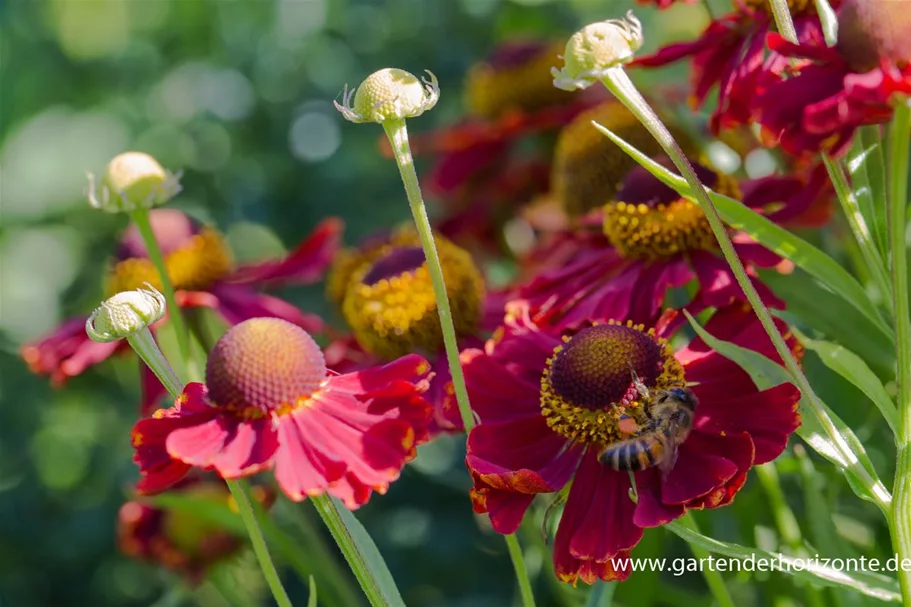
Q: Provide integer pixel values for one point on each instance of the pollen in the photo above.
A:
(651, 221)
(264, 366)
(390, 304)
(588, 388)
(195, 258)
(515, 77)
(588, 168)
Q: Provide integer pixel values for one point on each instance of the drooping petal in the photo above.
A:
(301, 468)
(597, 524)
(67, 351)
(237, 303)
(153, 392)
(304, 265)
(495, 393)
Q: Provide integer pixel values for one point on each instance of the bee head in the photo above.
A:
(684, 396)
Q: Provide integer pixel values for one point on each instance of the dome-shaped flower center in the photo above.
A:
(649, 220)
(516, 76)
(264, 366)
(588, 167)
(195, 256)
(872, 31)
(589, 382)
(389, 301)
(796, 7)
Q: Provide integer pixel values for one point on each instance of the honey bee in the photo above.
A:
(655, 444)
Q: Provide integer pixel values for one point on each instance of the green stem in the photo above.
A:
(147, 348)
(618, 83)
(713, 579)
(859, 227)
(783, 20)
(159, 365)
(518, 562)
(899, 136)
(141, 219)
(239, 490)
(397, 132)
(328, 511)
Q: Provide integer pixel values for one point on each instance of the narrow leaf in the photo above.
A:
(767, 233)
(871, 584)
(311, 602)
(855, 370)
(839, 321)
(372, 556)
(843, 449)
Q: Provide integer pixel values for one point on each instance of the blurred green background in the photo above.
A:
(238, 94)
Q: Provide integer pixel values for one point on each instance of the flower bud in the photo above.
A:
(131, 181)
(596, 48)
(125, 314)
(389, 94)
(873, 31)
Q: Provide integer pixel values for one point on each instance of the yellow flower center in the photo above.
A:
(389, 301)
(195, 265)
(517, 76)
(588, 167)
(264, 366)
(651, 221)
(588, 384)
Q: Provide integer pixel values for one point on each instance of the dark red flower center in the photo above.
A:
(397, 261)
(594, 369)
(264, 366)
(590, 382)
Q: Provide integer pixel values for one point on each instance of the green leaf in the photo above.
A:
(364, 544)
(835, 318)
(767, 233)
(842, 448)
(311, 602)
(855, 370)
(601, 594)
(867, 167)
(871, 584)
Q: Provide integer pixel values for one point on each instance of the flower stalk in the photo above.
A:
(899, 135)
(141, 218)
(397, 132)
(713, 578)
(162, 369)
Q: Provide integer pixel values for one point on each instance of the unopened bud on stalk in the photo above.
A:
(125, 314)
(389, 94)
(596, 48)
(132, 181)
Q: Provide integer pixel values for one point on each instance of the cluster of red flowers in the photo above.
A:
(563, 361)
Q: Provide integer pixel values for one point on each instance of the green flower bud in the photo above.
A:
(596, 48)
(125, 314)
(132, 181)
(389, 94)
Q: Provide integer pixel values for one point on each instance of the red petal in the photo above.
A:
(495, 393)
(303, 265)
(238, 303)
(300, 468)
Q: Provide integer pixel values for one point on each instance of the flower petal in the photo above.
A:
(300, 468)
(495, 393)
(237, 303)
(303, 265)
(67, 351)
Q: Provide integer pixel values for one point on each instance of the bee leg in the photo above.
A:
(641, 388)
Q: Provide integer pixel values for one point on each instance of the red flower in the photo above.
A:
(551, 400)
(180, 540)
(731, 53)
(818, 105)
(200, 267)
(270, 403)
(621, 261)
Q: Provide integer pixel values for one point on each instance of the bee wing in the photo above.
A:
(670, 458)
